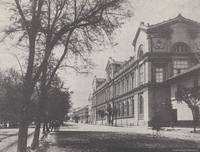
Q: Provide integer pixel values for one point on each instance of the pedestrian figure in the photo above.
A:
(172, 125)
(156, 124)
(55, 125)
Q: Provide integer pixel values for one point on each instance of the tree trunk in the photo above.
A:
(194, 120)
(23, 133)
(41, 111)
(35, 142)
(44, 95)
(23, 124)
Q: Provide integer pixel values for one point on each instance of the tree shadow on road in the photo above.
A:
(102, 141)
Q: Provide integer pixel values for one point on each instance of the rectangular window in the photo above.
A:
(141, 74)
(141, 107)
(119, 88)
(159, 74)
(122, 109)
(133, 106)
(119, 110)
(122, 86)
(115, 90)
(180, 65)
(127, 111)
(133, 81)
(127, 83)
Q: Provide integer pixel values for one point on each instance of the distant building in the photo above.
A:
(138, 89)
(90, 114)
(80, 115)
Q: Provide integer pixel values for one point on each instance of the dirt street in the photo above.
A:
(90, 138)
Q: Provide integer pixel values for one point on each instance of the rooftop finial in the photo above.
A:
(179, 15)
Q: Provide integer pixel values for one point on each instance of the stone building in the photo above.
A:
(138, 89)
(80, 115)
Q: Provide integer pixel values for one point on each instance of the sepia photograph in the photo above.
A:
(99, 75)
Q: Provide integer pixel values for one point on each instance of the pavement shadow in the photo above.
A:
(91, 141)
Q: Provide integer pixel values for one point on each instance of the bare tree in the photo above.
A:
(191, 96)
(44, 26)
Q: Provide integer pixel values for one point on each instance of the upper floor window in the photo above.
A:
(127, 83)
(159, 74)
(180, 65)
(122, 91)
(115, 90)
(119, 88)
(133, 81)
(180, 47)
(140, 51)
(141, 74)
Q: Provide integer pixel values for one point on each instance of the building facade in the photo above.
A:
(188, 80)
(136, 90)
(80, 115)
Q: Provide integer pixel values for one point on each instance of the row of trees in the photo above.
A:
(52, 32)
(110, 112)
(59, 99)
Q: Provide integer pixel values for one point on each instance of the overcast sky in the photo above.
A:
(147, 11)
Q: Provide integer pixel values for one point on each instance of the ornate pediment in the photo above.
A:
(159, 44)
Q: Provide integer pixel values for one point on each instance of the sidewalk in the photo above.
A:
(9, 137)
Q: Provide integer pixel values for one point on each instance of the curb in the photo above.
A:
(14, 142)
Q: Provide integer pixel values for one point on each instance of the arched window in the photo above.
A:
(180, 47)
(140, 51)
(141, 105)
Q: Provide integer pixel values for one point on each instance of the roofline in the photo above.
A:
(178, 18)
(190, 70)
(142, 27)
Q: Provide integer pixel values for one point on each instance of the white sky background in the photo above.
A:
(147, 11)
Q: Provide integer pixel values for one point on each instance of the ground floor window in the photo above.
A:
(122, 109)
(141, 107)
(119, 109)
(133, 106)
(127, 111)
